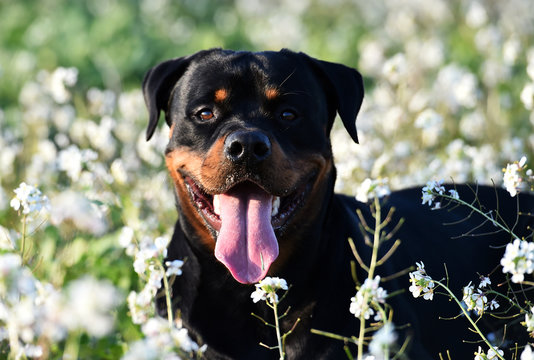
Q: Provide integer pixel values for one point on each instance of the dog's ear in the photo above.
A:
(345, 88)
(157, 87)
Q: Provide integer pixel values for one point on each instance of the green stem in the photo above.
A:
(466, 314)
(72, 347)
(376, 238)
(470, 206)
(361, 334)
(278, 336)
(370, 276)
(168, 300)
(510, 301)
(23, 238)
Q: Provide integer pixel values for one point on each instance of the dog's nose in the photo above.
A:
(249, 146)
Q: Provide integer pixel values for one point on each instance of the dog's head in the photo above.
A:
(249, 148)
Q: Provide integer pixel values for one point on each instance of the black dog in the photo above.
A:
(251, 161)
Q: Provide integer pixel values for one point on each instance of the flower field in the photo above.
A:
(87, 208)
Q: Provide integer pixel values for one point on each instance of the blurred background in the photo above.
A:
(449, 95)
(447, 77)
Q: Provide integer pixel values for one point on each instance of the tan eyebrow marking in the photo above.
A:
(271, 93)
(221, 95)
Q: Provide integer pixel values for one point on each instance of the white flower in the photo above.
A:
(431, 191)
(421, 283)
(266, 289)
(527, 96)
(155, 277)
(368, 293)
(454, 194)
(174, 267)
(118, 171)
(476, 15)
(461, 87)
(529, 321)
(72, 160)
(101, 102)
(382, 340)
(162, 341)
(126, 240)
(140, 306)
(512, 179)
(30, 199)
(484, 281)
(181, 337)
(395, 68)
(431, 124)
(73, 206)
(370, 189)
(83, 310)
(32, 351)
(161, 243)
(474, 300)
(518, 259)
(527, 353)
(149, 250)
(8, 263)
(57, 82)
(360, 307)
(491, 355)
(258, 295)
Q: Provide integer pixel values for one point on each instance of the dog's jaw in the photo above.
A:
(246, 221)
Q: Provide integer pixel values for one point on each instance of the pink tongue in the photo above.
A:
(246, 244)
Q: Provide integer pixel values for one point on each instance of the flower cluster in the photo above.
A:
(370, 189)
(30, 200)
(369, 293)
(491, 355)
(421, 283)
(148, 259)
(516, 175)
(72, 161)
(518, 259)
(266, 289)
(34, 313)
(477, 300)
(529, 321)
(435, 189)
(382, 342)
(162, 341)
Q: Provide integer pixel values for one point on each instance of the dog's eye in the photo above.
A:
(205, 114)
(288, 115)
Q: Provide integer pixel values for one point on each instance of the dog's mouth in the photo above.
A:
(245, 219)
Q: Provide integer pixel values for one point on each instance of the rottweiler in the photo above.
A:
(250, 158)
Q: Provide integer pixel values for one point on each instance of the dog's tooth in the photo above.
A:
(216, 205)
(276, 205)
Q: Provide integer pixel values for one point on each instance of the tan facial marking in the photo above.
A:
(183, 159)
(272, 93)
(221, 95)
(171, 130)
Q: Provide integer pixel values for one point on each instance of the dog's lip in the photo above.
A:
(288, 204)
